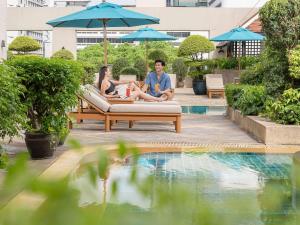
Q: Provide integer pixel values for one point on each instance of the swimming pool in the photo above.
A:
(215, 176)
(205, 110)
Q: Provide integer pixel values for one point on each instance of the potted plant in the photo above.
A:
(180, 69)
(24, 45)
(193, 48)
(50, 91)
(13, 113)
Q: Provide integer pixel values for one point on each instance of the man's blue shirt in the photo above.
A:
(164, 83)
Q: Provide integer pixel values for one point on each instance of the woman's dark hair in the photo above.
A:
(160, 61)
(102, 72)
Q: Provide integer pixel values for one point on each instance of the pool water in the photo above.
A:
(206, 110)
(216, 176)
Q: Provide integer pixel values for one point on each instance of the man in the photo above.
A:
(159, 82)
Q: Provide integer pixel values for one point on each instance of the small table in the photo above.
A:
(113, 101)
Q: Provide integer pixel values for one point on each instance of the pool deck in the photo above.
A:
(209, 131)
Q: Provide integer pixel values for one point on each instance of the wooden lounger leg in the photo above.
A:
(130, 123)
(178, 124)
(107, 124)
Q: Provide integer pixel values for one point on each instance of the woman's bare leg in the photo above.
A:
(146, 97)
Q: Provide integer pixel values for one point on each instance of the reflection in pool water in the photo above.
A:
(217, 176)
(207, 110)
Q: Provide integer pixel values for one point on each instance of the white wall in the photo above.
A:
(3, 28)
(150, 3)
(243, 3)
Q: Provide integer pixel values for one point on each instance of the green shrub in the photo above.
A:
(253, 75)
(233, 92)
(140, 65)
(63, 54)
(158, 54)
(13, 113)
(286, 110)
(294, 61)
(251, 100)
(129, 71)
(193, 48)
(179, 68)
(24, 44)
(226, 63)
(118, 66)
(3, 158)
(51, 87)
(89, 72)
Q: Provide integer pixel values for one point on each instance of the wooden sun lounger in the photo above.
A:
(94, 113)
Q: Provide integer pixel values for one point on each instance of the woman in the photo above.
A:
(108, 87)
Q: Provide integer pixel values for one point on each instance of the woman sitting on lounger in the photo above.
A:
(107, 87)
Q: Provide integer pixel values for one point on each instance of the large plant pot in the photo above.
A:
(199, 87)
(40, 145)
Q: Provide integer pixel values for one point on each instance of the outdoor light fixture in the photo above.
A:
(2, 44)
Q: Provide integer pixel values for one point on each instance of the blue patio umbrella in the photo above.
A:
(147, 34)
(103, 15)
(239, 35)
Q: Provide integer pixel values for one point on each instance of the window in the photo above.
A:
(99, 40)
(187, 3)
(179, 34)
(246, 48)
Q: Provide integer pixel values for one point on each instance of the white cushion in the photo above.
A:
(95, 99)
(145, 108)
(214, 81)
(95, 90)
(158, 103)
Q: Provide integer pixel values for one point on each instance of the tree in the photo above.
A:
(179, 68)
(140, 65)
(194, 47)
(129, 71)
(63, 54)
(294, 60)
(281, 23)
(24, 44)
(118, 65)
(12, 112)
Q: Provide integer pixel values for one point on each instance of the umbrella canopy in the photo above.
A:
(103, 15)
(239, 34)
(147, 34)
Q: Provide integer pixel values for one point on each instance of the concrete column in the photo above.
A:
(3, 43)
(63, 37)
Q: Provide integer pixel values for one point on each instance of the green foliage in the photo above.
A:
(63, 54)
(254, 73)
(250, 100)
(281, 24)
(294, 60)
(13, 113)
(51, 87)
(199, 68)
(226, 63)
(233, 92)
(129, 71)
(118, 66)
(179, 68)
(140, 65)
(24, 44)
(158, 54)
(3, 158)
(194, 46)
(177, 202)
(89, 72)
(286, 110)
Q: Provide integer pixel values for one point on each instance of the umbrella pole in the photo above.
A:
(105, 42)
(147, 65)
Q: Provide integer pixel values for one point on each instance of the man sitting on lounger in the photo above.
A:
(158, 82)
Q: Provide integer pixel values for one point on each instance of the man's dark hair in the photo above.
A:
(160, 61)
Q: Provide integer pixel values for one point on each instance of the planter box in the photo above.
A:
(264, 130)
